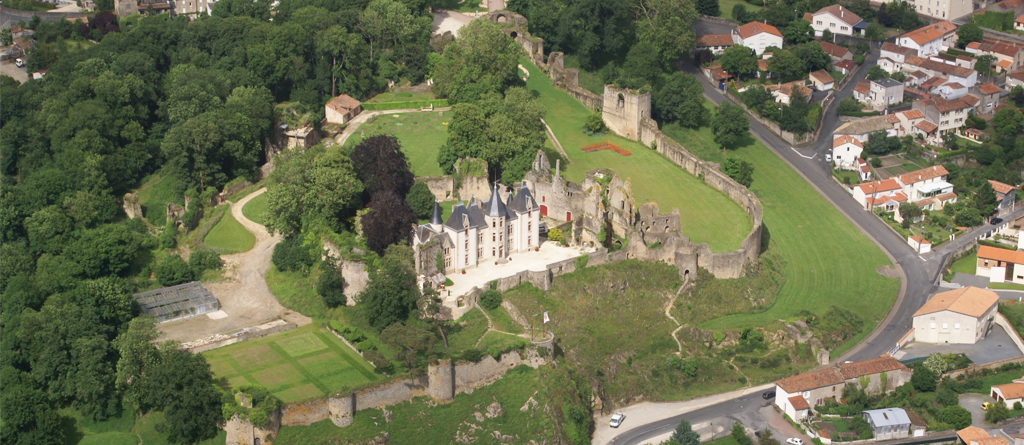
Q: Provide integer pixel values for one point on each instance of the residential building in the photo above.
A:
(193, 7)
(988, 94)
(1018, 23)
(814, 387)
(823, 81)
(886, 194)
(862, 128)
(125, 8)
(1006, 195)
(893, 57)
(883, 93)
(716, 43)
(845, 152)
(926, 187)
(925, 183)
(946, 114)
(888, 423)
(1000, 265)
(838, 20)
(1009, 393)
(1008, 56)
(965, 61)
(916, 78)
(950, 91)
(958, 316)
(965, 76)
(904, 121)
(845, 66)
(758, 36)
(973, 435)
(943, 9)
(483, 230)
(920, 245)
(930, 39)
(836, 52)
(784, 91)
(1014, 78)
(342, 109)
(863, 170)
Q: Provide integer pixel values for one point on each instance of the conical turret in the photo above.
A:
(435, 218)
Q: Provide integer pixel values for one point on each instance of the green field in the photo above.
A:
(709, 216)
(827, 260)
(255, 209)
(298, 364)
(230, 235)
(967, 265)
(400, 96)
(725, 7)
(156, 191)
(421, 134)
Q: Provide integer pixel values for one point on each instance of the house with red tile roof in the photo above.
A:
(836, 52)
(716, 43)
(838, 20)
(846, 150)
(1009, 393)
(927, 187)
(904, 121)
(964, 76)
(893, 56)
(930, 39)
(1014, 78)
(814, 387)
(948, 115)
(758, 36)
(845, 66)
(959, 316)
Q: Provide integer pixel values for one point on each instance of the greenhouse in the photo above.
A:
(177, 302)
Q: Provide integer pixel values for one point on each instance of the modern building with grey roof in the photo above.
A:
(176, 302)
(478, 232)
(888, 423)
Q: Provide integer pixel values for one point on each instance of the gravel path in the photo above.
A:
(243, 295)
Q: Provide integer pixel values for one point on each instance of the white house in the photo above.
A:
(886, 194)
(758, 36)
(959, 316)
(822, 80)
(1009, 393)
(893, 57)
(838, 20)
(1000, 265)
(928, 40)
(920, 245)
(928, 183)
(845, 152)
(812, 388)
(716, 43)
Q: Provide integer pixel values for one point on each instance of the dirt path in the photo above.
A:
(244, 296)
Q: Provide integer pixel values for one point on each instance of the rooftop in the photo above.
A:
(864, 126)
(923, 174)
(715, 40)
(177, 301)
(887, 82)
(971, 301)
(754, 28)
(840, 13)
(888, 417)
(929, 32)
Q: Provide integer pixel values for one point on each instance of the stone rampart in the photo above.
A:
(305, 413)
(442, 187)
(391, 393)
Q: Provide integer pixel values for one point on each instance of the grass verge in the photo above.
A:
(230, 235)
(256, 209)
(421, 134)
(1006, 286)
(711, 216)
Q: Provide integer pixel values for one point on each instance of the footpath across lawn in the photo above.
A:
(828, 261)
(708, 215)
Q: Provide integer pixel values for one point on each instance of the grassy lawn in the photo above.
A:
(230, 235)
(502, 321)
(120, 430)
(255, 209)
(827, 260)
(726, 439)
(400, 96)
(156, 191)
(1006, 286)
(421, 135)
(298, 364)
(967, 265)
(846, 176)
(589, 80)
(468, 330)
(424, 422)
(725, 6)
(711, 217)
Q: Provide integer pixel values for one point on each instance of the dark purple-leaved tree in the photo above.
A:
(389, 221)
(381, 165)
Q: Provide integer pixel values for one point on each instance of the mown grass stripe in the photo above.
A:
(298, 367)
(345, 356)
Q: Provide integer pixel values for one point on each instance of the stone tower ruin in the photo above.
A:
(624, 109)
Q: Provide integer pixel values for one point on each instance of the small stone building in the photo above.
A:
(959, 316)
(342, 109)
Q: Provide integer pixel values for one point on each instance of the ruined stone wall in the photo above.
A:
(441, 378)
(472, 186)
(356, 278)
(391, 393)
(469, 376)
(305, 413)
(131, 206)
(624, 110)
(442, 187)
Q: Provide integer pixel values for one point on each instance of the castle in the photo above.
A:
(480, 231)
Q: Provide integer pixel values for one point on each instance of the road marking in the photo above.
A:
(801, 154)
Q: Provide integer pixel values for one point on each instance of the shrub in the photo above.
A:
(875, 162)
(996, 413)
(948, 397)
(420, 200)
(472, 355)
(555, 235)
(203, 260)
(168, 237)
(848, 105)
(291, 255)
(923, 379)
(173, 270)
(594, 124)
(330, 286)
(490, 299)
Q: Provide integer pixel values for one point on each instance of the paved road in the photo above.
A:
(920, 274)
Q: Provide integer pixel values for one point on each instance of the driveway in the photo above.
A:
(8, 68)
(972, 403)
(996, 346)
(445, 20)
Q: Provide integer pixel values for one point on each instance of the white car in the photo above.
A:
(795, 441)
(617, 419)
(19, 63)
(828, 157)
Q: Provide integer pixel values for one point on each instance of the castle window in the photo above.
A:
(501, 222)
(467, 259)
(494, 224)
(493, 251)
(622, 101)
(529, 226)
(494, 237)
(543, 198)
(479, 252)
(500, 249)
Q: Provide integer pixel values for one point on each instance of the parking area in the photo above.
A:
(8, 68)
(996, 346)
(972, 403)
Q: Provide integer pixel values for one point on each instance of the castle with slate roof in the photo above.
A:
(480, 231)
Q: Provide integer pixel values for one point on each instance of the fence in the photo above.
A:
(383, 106)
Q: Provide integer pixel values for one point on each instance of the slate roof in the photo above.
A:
(523, 201)
(435, 217)
(971, 301)
(466, 217)
(495, 207)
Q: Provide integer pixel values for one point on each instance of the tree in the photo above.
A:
(967, 33)
(388, 221)
(984, 64)
(182, 385)
(739, 60)
(880, 144)
(643, 65)
(794, 115)
(813, 57)
(387, 23)
(826, 36)
(391, 293)
(957, 416)
(331, 285)
(740, 434)
(28, 416)
(681, 100)
(985, 199)
(105, 250)
(739, 13)
(708, 7)
(874, 32)
(923, 379)
(785, 65)
(668, 24)
(138, 359)
(797, 32)
(483, 59)
(490, 299)
(173, 270)
(412, 340)
(848, 105)
(910, 211)
(329, 191)
(684, 434)
(1017, 95)
(203, 260)
(948, 398)
(381, 166)
(421, 200)
(729, 124)
(968, 217)
(876, 72)
(779, 14)
(997, 412)
(766, 437)
(594, 124)
(290, 255)
(739, 170)
(6, 39)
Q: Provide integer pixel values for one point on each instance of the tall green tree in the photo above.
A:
(729, 124)
(183, 387)
(139, 358)
(798, 32)
(708, 7)
(391, 294)
(967, 33)
(668, 24)
(739, 170)
(482, 60)
(684, 434)
(812, 56)
(681, 100)
(739, 60)
(296, 193)
(786, 65)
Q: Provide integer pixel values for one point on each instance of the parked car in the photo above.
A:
(986, 405)
(768, 394)
(996, 220)
(617, 419)
(542, 229)
(19, 63)
(828, 157)
(795, 441)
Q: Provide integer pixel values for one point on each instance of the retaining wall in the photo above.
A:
(242, 337)
(1002, 321)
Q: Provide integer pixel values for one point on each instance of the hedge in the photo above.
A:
(860, 113)
(985, 242)
(403, 105)
(950, 154)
